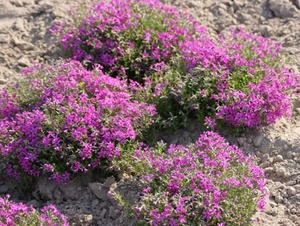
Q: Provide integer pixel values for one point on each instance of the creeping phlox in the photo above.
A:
(208, 181)
(64, 119)
(12, 213)
(238, 78)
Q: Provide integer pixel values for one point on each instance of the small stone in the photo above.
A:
(3, 189)
(265, 158)
(19, 25)
(88, 219)
(45, 5)
(265, 29)
(249, 140)
(24, 62)
(103, 212)
(264, 165)
(280, 171)
(298, 111)
(291, 191)
(278, 199)
(269, 170)
(25, 46)
(282, 9)
(278, 158)
(290, 155)
(18, 3)
(291, 183)
(98, 190)
(273, 204)
(109, 182)
(294, 218)
(4, 38)
(2, 81)
(41, 35)
(258, 140)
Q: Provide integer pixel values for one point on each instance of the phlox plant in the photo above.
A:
(239, 78)
(62, 119)
(133, 37)
(15, 214)
(207, 182)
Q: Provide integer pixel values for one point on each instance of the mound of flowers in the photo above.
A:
(241, 77)
(133, 37)
(20, 214)
(63, 119)
(238, 78)
(209, 182)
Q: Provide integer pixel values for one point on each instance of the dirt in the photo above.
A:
(25, 39)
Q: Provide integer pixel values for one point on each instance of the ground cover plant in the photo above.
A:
(239, 78)
(206, 182)
(15, 214)
(63, 119)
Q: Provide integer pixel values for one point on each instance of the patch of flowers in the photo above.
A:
(241, 77)
(12, 213)
(63, 120)
(238, 78)
(209, 182)
(133, 37)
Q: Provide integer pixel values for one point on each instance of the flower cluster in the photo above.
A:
(20, 214)
(209, 181)
(64, 119)
(133, 37)
(239, 78)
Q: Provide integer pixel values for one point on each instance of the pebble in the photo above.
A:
(291, 183)
(273, 204)
(278, 158)
(88, 219)
(265, 157)
(4, 38)
(109, 182)
(291, 191)
(282, 9)
(269, 170)
(290, 155)
(298, 111)
(3, 81)
(98, 190)
(258, 140)
(18, 3)
(280, 171)
(24, 62)
(278, 199)
(25, 46)
(103, 212)
(19, 25)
